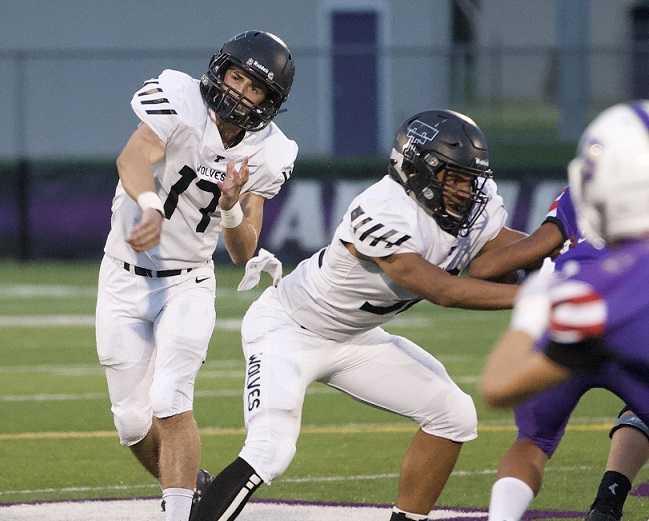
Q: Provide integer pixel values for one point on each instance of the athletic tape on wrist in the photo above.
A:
(150, 200)
(233, 217)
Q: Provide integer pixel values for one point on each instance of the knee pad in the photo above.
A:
(132, 425)
(460, 421)
(629, 420)
(270, 445)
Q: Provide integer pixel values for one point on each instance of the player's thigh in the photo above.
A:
(542, 419)
(125, 344)
(124, 337)
(182, 334)
(397, 375)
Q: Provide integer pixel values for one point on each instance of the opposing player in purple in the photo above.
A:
(541, 422)
(586, 325)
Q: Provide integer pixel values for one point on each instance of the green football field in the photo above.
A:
(56, 433)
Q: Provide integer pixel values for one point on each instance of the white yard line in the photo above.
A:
(226, 324)
(304, 479)
(65, 397)
(60, 291)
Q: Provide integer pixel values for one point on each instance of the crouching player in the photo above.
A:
(401, 240)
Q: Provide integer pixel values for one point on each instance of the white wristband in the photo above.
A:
(233, 217)
(150, 200)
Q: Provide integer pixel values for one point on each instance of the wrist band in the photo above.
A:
(233, 217)
(148, 200)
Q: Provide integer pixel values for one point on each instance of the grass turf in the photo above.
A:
(57, 440)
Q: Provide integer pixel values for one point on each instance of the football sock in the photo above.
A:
(510, 498)
(402, 515)
(612, 493)
(228, 492)
(177, 503)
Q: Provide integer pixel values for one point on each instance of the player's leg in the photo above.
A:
(629, 451)
(125, 348)
(183, 330)
(541, 423)
(395, 374)
(281, 361)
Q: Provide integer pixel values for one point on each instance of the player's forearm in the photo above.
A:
(495, 264)
(240, 242)
(514, 371)
(472, 293)
(135, 173)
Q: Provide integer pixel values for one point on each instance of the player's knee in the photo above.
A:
(270, 458)
(270, 442)
(132, 425)
(628, 418)
(458, 423)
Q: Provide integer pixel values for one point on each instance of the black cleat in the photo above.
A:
(598, 515)
(203, 479)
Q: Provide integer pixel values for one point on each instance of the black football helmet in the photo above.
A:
(441, 159)
(264, 57)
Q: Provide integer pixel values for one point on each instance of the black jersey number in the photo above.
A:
(187, 175)
(399, 307)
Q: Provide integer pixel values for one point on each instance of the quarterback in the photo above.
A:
(585, 325)
(402, 240)
(203, 160)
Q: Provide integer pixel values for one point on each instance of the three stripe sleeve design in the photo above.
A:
(154, 98)
(373, 232)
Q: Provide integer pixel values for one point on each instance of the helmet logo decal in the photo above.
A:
(254, 64)
(419, 133)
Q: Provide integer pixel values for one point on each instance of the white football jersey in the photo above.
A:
(337, 295)
(195, 157)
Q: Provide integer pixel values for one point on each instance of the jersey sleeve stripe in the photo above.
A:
(154, 101)
(383, 237)
(370, 231)
(401, 240)
(162, 111)
(151, 82)
(149, 92)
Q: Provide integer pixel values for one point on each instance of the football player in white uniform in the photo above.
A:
(401, 240)
(203, 160)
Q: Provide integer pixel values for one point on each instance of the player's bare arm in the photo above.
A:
(514, 371)
(240, 240)
(134, 166)
(522, 253)
(413, 272)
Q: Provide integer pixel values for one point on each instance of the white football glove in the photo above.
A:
(265, 261)
(531, 312)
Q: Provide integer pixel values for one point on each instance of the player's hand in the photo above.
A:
(232, 183)
(146, 234)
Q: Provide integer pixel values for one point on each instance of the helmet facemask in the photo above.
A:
(454, 196)
(232, 106)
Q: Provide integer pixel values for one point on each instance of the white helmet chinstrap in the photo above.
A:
(609, 178)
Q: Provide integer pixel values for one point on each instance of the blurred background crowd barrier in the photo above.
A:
(532, 74)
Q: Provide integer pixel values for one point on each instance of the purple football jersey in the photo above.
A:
(562, 213)
(600, 320)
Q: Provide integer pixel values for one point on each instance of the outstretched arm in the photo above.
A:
(527, 252)
(413, 272)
